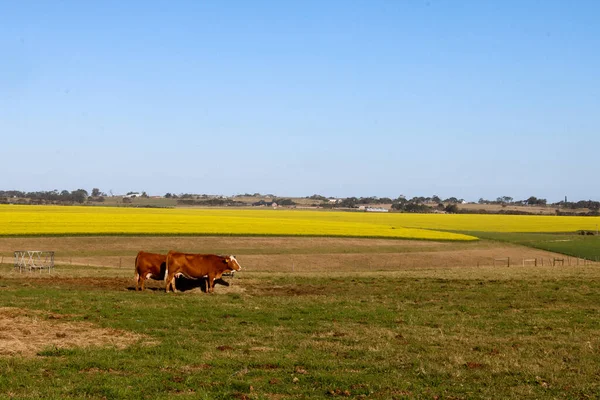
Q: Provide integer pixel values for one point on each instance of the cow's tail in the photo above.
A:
(167, 283)
(167, 266)
(137, 273)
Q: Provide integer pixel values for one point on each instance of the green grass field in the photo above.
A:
(436, 333)
(574, 245)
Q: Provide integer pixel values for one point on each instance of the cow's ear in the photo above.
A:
(224, 261)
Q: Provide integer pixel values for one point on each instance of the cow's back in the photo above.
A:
(192, 265)
(150, 263)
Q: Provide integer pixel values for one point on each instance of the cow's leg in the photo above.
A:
(173, 284)
(168, 282)
(211, 283)
(137, 282)
(143, 279)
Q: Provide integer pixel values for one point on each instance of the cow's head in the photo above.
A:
(232, 263)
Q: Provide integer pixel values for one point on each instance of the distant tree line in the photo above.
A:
(64, 197)
(79, 196)
(417, 204)
(590, 204)
(276, 200)
(215, 202)
(507, 200)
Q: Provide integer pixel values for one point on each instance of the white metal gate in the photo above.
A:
(30, 260)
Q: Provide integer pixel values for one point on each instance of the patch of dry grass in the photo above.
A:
(26, 332)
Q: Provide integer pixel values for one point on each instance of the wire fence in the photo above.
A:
(349, 262)
(361, 262)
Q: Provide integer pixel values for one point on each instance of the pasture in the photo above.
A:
(306, 318)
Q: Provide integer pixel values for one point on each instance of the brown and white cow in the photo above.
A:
(149, 266)
(196, 266)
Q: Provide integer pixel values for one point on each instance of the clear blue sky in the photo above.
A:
(341, 98)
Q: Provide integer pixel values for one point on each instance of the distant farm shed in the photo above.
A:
(376, 209)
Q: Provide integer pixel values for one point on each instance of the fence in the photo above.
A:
(306, 263)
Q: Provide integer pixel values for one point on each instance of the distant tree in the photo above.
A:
(416, 208)
(350, 202)
(451, 200)
(318, 197)
(436, 198)
(145, 195)
(168, 196)
(414, 205)
(284, 202)
(79, 195)
(401, 199)
(417, 200)
(95, 192)
(451, 208)
(534, 201)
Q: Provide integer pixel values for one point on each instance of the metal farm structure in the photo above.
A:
(31, 260)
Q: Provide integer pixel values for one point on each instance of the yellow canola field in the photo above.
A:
(77, 220)
(496, 223)
(59, 220)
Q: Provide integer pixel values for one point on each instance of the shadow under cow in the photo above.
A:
(185, 284)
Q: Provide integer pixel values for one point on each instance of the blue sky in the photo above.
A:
(341, 98)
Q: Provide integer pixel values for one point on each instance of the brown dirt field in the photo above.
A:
(278, 254)
(130, 245)
(26, 332)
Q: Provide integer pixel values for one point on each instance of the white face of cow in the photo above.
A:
(233, 263)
